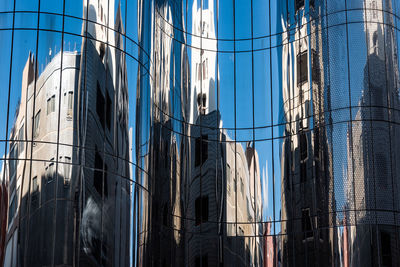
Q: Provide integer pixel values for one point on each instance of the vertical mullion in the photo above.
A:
(234, 109)
(201, 127)
(253, 159)
(272, 120)
(218, 147)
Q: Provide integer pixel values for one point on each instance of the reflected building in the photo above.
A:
(304, 91)
(166, 212)
(271, 247)
(308, 202)
(193, 161)
(339, 215)
(80, 197)
(36, 184)
(374, 137)
(103, 130)
(221, 174)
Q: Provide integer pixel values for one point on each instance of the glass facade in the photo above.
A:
(199, 133)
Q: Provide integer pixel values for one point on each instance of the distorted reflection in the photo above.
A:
(77, 100)
(337, 179)
(227, 145)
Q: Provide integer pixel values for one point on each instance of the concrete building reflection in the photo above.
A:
(318, 231)
(80, 197)
(374, 163)
(308, 201)
(204, 180)
(271, 139)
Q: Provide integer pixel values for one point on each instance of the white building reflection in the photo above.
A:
(79, 197)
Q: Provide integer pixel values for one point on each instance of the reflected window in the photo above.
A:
(99, 183)
(201, 210)
(67, 171)
(303, 146)
(315, 67)
(306, 223)
(205, 69)
(201, 261)
(199, 76)
(13, 205)
(51, 104)
(21, 138)
(302, 68)
(386, 249)
(228, 179)
(102, 49)
(51, 171)
(202, 70)
(13, 161)
(34, 195)
(100, 103)
(70, 103)
(303, 156)
(201, 150)
(36, 125)
(299, 4)
(374, 9)
(35, 185)
(202, 102)
(241, 186)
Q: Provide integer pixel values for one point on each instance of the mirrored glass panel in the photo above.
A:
(199, 133)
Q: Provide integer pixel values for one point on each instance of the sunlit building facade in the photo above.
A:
(199, 133)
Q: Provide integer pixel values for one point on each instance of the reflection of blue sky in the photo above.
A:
(252, 71)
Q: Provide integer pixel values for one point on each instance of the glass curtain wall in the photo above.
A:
(199, 133)
(68, 76)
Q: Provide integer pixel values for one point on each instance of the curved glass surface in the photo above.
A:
(199, 133)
